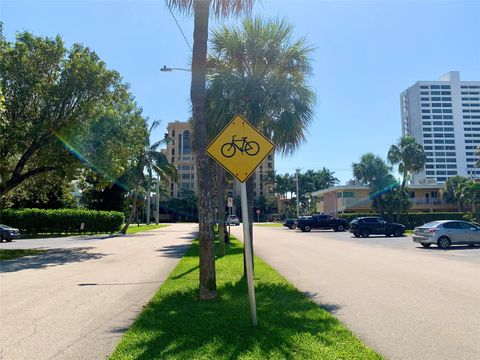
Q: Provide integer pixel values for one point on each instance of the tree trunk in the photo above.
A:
(208, 286)
(132, 213)
(149, 186)
(221, 208)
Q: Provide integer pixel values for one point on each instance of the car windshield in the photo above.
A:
(431, 224)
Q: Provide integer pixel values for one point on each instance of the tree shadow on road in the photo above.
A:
(52, 257)
(177, 325)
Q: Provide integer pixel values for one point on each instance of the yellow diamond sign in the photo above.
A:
(240, 148)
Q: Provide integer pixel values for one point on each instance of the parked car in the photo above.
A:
(446, 233)
(8, 233)
(321, 221)
(290, 223)
(232, 220)
(366, 226)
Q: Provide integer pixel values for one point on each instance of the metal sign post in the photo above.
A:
(240, 148)
(248, 254)
(230, 206)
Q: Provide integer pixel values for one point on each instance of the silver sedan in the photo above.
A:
(446, 233)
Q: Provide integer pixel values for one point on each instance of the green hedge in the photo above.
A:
(414, 219)
(34, 221)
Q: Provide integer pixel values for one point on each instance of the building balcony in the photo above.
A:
(429, 202)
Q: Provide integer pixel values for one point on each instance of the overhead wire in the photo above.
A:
(178, 25)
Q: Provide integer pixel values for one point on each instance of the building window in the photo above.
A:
(186, 142)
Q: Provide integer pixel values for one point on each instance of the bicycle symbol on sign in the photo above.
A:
(250, 148)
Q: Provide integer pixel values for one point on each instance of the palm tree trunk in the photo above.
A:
(132, 213)
(208, 286)
(221, 209)
(149, 186)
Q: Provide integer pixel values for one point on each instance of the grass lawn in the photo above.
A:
(7, 254)
(409, 232)
(133, 228)
(176, 325)
(269, 224)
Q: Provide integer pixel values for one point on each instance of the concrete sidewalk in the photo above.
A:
(76, 303)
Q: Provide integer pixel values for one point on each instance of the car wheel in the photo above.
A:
(292, 227)
(8, 240)
(426, 245)
(444, 242)
(397, 232)
(340, 228)
(307, 228)
(388, 234)
(1, 238)
(356, 234)
(365, 233)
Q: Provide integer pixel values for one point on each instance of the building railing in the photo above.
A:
(428, 201)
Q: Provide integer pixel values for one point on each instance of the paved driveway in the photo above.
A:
(405, 302)
(76, 302)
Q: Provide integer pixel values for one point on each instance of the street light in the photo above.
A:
(168, 69)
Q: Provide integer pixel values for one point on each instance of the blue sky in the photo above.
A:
(366, 54)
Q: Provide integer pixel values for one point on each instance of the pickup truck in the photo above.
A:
(321, 222)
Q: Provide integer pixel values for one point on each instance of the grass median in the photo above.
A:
(176, 325)
(132, 229)
(8, 254)
(269, 224)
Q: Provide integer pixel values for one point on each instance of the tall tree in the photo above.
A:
(409, 156)
(48, 90)
(201, 11)
(149, 160)
(375, 173)
(469, 194)
(453, 189)
(259, 70)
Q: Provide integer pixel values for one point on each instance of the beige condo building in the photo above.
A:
(179, 153)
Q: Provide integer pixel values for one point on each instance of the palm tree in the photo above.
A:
(258, 70)
(453, 189)
(374, 172)
(409, 156)
(201, 11)
(151, 160)
(469, 194)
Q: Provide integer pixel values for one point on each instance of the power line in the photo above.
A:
(178, 25)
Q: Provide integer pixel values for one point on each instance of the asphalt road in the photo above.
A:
(76, 302)
(402, 300)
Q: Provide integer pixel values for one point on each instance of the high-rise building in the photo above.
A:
(179, 153)
(444, 117)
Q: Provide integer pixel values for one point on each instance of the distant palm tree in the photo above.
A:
(149, 160)
(409, 156)
(469, 194)
(201, 11)
(375, 173)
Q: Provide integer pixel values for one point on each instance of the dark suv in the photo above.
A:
(365, 226)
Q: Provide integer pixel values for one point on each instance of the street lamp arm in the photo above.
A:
(168, 69)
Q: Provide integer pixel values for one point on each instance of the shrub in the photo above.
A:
(414, 219)
(34, 221)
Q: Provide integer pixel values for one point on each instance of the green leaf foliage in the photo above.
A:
(34, 221)
(64, 111)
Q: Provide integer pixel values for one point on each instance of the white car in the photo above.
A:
(445, 233)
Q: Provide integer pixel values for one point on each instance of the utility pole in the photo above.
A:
(298, 200)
